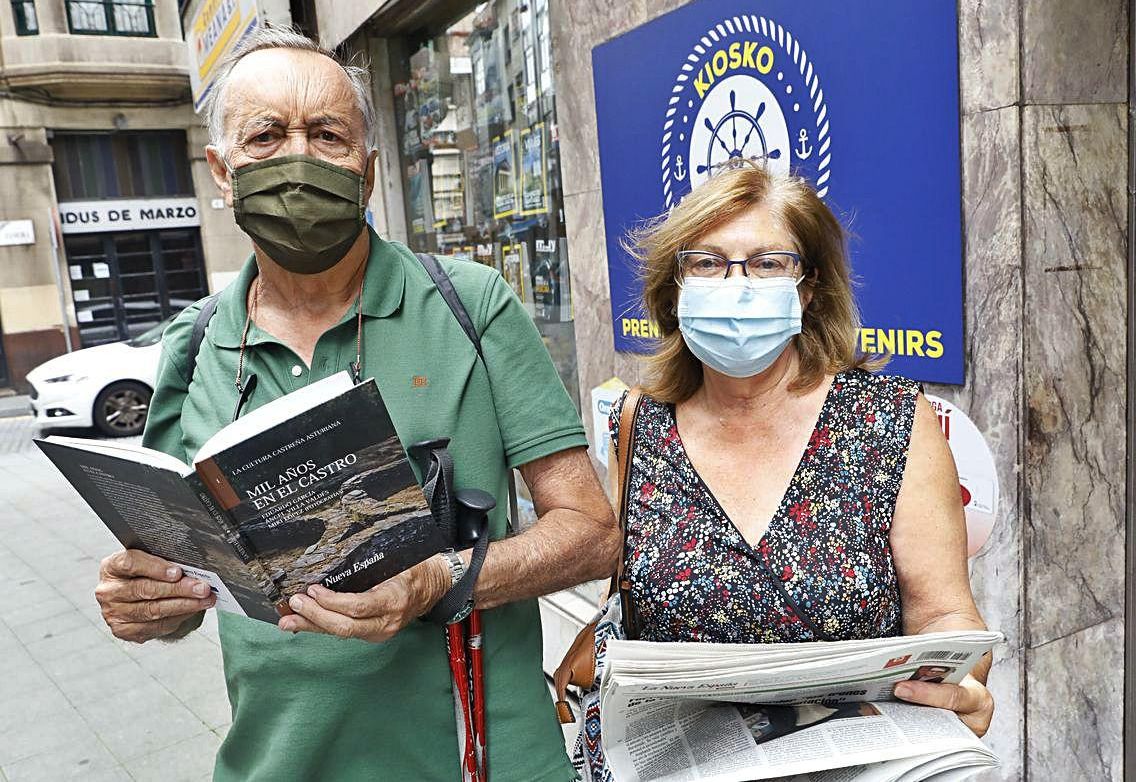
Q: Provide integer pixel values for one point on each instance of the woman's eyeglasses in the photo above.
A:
(764, 265)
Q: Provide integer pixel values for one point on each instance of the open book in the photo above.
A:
(313, 487)
(807, 712)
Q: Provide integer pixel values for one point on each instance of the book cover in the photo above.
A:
(326, 496)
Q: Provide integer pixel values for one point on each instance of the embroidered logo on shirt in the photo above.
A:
(419, 381)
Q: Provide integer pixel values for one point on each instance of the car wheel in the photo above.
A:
(120, 409)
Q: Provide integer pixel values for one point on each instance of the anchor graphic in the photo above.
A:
(680, 170)
(803, 151)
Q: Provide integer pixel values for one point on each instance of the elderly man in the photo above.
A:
(292, 151)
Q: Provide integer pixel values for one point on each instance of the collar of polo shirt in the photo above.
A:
(383, 286)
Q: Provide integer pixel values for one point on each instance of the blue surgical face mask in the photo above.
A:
(739, 325)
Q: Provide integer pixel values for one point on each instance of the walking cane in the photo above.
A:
(463, 716)
(473, 524)
(437, 467)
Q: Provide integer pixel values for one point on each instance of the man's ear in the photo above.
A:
(370, 168)
(220, 172)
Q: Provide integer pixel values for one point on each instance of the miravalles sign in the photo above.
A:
(80, 217)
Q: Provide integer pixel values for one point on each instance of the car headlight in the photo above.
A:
(65, 379)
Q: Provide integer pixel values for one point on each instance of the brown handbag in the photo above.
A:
(579, 664)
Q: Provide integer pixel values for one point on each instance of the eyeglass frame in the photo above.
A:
(730, 264)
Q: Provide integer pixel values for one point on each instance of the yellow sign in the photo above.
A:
(215, 30)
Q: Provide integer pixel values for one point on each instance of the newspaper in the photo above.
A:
(811, 712)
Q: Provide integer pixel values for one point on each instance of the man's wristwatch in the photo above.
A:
(457, 569)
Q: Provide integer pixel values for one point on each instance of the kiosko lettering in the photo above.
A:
(739, 56)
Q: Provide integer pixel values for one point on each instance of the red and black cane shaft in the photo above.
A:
(472, 527)
(463, 704)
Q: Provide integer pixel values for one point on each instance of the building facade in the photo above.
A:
(109, 213)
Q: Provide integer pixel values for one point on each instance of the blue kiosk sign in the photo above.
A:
(860, 99)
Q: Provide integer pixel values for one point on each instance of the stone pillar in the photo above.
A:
(992, 392)
(1074, 222)
(52, 18)
(578, 26)
(167, 22)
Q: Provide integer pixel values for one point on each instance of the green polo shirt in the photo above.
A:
(314, 707)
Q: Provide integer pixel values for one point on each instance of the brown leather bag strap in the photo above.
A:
(628, 419)
(579, 664)
(624, 446)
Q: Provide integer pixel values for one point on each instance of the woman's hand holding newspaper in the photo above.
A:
(969, 699)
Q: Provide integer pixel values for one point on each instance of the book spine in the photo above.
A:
(235, 539)
(232, 535)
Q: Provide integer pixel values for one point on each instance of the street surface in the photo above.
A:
(75, 702)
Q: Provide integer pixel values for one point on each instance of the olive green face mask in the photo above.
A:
(304, 212)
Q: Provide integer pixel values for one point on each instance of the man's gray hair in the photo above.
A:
(269, 36)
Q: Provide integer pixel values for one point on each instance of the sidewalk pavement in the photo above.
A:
(14, 406)
(75, 702)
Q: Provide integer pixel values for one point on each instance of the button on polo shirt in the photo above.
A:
(314, 707)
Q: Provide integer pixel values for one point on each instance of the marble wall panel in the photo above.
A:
(1074, 710)
(656, 8)
(992, 394)
(1006, 736)
(988, 54)
(595, 359)
(1074, 52)
(1075, 225)
(577, 27)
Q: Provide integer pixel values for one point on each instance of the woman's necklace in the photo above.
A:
(245, 385)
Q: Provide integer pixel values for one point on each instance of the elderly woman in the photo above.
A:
(779, 491)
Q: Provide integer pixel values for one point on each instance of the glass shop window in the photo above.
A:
(475, 105)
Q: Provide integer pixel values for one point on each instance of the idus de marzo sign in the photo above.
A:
(862, 100)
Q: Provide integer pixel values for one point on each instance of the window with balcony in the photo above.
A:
(25, 13)
(111, 17)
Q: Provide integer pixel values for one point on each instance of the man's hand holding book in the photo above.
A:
(143, 597)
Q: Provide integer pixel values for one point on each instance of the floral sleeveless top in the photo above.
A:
(822, 571)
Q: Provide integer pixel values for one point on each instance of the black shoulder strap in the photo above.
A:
(208, 307)
(446, 287)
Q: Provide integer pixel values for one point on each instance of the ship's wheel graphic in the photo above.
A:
(739, 119)
(774, 114)
(724, 145)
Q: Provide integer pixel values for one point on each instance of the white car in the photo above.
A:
(107, 386)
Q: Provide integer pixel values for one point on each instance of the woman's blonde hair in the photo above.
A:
(830, 323)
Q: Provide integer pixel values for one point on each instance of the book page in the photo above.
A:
(158, 511)
(129, 451)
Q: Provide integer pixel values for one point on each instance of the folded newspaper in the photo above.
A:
(806, 712)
